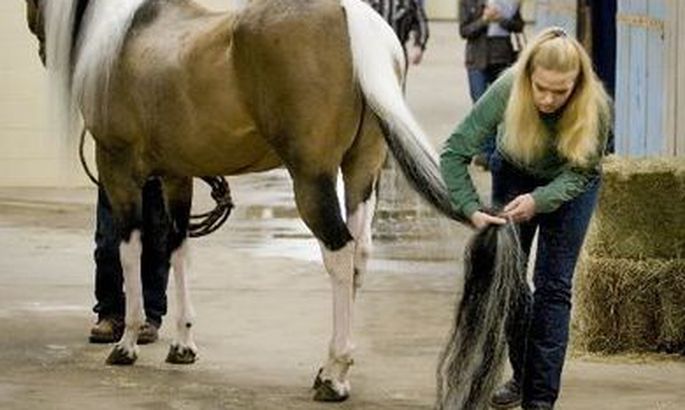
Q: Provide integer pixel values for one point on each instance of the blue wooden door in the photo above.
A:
(640, 77)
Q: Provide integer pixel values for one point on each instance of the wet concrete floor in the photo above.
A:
(263, 317)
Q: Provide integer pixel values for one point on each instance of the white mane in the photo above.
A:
(59, 18)
(77, 80)
(103, 30)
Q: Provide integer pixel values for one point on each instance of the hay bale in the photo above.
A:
(672, 295)
(630, 284)
(627, 305)
(641, 209)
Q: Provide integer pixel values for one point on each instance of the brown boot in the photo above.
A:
(148, 333)
(507, 396)
(107, 330)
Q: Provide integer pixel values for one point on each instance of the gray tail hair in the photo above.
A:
(495, 303)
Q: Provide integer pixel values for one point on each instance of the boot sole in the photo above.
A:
(504, 406)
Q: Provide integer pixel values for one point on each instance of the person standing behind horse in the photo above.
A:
(109, 294)
(487, 27)
(409, 22)
(552, 119)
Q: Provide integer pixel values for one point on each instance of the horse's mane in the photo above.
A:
(84, 39)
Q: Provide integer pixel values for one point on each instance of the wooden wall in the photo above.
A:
(649, 93)
(675, 80)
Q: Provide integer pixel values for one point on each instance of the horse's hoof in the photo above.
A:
(324, 391)
(181, 355)
(317, 380)
(119, 356)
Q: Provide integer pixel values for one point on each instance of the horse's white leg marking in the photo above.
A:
(180, 261)
(359, 224)
(129, 253)
(340, 267)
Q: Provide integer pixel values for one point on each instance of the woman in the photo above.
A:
(487, 26)
(552, 117)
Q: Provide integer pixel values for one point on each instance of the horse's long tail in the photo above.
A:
(495, 303)
(379, 64)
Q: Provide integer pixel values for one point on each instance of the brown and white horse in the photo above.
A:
(170, 89)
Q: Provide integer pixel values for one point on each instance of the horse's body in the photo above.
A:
(180, 82)
(171, 90)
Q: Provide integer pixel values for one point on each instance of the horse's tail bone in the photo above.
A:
(379, 64)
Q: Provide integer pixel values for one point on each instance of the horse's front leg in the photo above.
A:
(125, 352)
(179, 193)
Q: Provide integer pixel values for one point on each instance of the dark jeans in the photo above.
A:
(537, 344)
(154, 262)
(479, 81)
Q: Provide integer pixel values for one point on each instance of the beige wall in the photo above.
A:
(448, 10)
(30, 153)
(441, 9)
(27, 153)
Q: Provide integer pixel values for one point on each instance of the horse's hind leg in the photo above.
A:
(317, 203)
(361, 167)
(178, 192)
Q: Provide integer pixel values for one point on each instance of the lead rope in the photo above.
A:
(202, 224)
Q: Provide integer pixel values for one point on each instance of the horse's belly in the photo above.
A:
(219, 154)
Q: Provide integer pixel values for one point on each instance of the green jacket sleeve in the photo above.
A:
(570, 183)
(467, 140)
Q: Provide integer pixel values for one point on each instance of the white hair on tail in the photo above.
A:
(104, 28)
(379, 65)
(376, 52)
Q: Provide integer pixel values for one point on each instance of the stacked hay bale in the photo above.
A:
(630, 283)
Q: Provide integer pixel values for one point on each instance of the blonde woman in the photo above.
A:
(552, 118)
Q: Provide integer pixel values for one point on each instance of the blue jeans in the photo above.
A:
(109, 280)
(479, 81)
(538, 334)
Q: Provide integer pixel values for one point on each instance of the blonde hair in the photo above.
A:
(586, 114)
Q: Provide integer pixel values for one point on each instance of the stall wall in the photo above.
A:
(650, 95)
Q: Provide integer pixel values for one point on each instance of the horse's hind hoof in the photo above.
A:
(181, 355)
(121, 357)
(325, 392)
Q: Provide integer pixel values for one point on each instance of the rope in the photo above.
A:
(212, 220)
(202, 224)
(82, 157)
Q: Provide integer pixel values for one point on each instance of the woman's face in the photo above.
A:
(551, 89)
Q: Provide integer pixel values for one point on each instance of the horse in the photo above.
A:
(172, 90)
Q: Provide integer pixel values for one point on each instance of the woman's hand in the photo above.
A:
(480, 220)
(521, 209)
(491, 14)
(413, 51)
